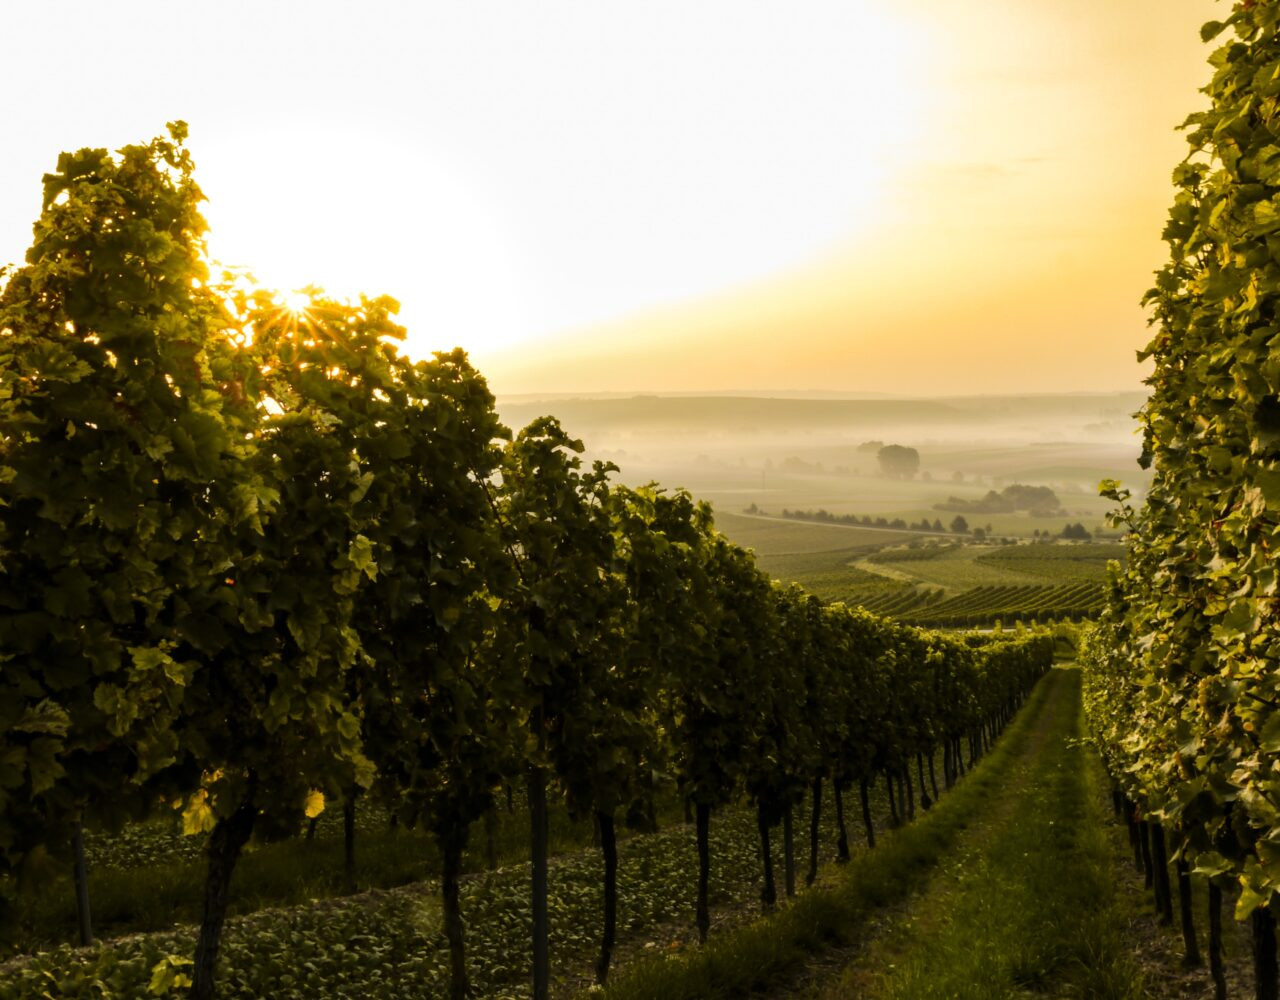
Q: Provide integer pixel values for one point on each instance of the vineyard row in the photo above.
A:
(254, 561)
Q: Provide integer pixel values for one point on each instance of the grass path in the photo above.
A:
(1004, 889)
(1025, 903)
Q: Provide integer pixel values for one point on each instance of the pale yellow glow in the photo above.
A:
(297, 302)
(701, 150)
(426, 239)
(1010, 253)
(843, 194)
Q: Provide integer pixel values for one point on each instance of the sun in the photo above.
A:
(296, 302)
(442, 247)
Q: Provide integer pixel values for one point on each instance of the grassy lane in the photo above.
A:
(1026, 904)
(1003, 890)
(775, 953)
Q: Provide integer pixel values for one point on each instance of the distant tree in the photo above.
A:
(937, 524)
(979, 535)
(926, 476)
(1034, 498)
(959, 525)
(868, 446)
(1076, 531)
(957, 476)
(898, 462)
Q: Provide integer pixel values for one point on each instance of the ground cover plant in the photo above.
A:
(147, 877)
(393, 944)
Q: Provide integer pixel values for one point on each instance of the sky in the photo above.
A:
(847, 196)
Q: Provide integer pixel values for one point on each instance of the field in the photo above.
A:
(769, 537)
(930, 580)
(962, 567)
(754, 458)
(807, 454)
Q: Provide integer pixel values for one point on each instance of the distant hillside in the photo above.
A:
(1070, 414)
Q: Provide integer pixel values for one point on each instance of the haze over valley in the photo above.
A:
(803, 452)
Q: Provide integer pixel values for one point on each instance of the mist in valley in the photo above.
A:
(767, 454)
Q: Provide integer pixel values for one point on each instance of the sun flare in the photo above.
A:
(296, 302)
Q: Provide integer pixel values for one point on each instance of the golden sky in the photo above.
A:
(846, 195)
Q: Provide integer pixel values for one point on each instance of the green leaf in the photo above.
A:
(169, 974)
(1250, 899)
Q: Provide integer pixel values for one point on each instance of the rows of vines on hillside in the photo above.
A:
(256, 563)
(1181, 688)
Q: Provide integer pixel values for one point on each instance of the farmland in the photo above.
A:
(754, 459)
(809, 453)
(768, 536)
(934, 581)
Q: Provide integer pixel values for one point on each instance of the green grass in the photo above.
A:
(1032, 909)
(764, 953)
(769, 536)
(829, 575)
(956, 570)
(817, 565)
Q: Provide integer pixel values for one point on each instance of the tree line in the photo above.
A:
(254, 561)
